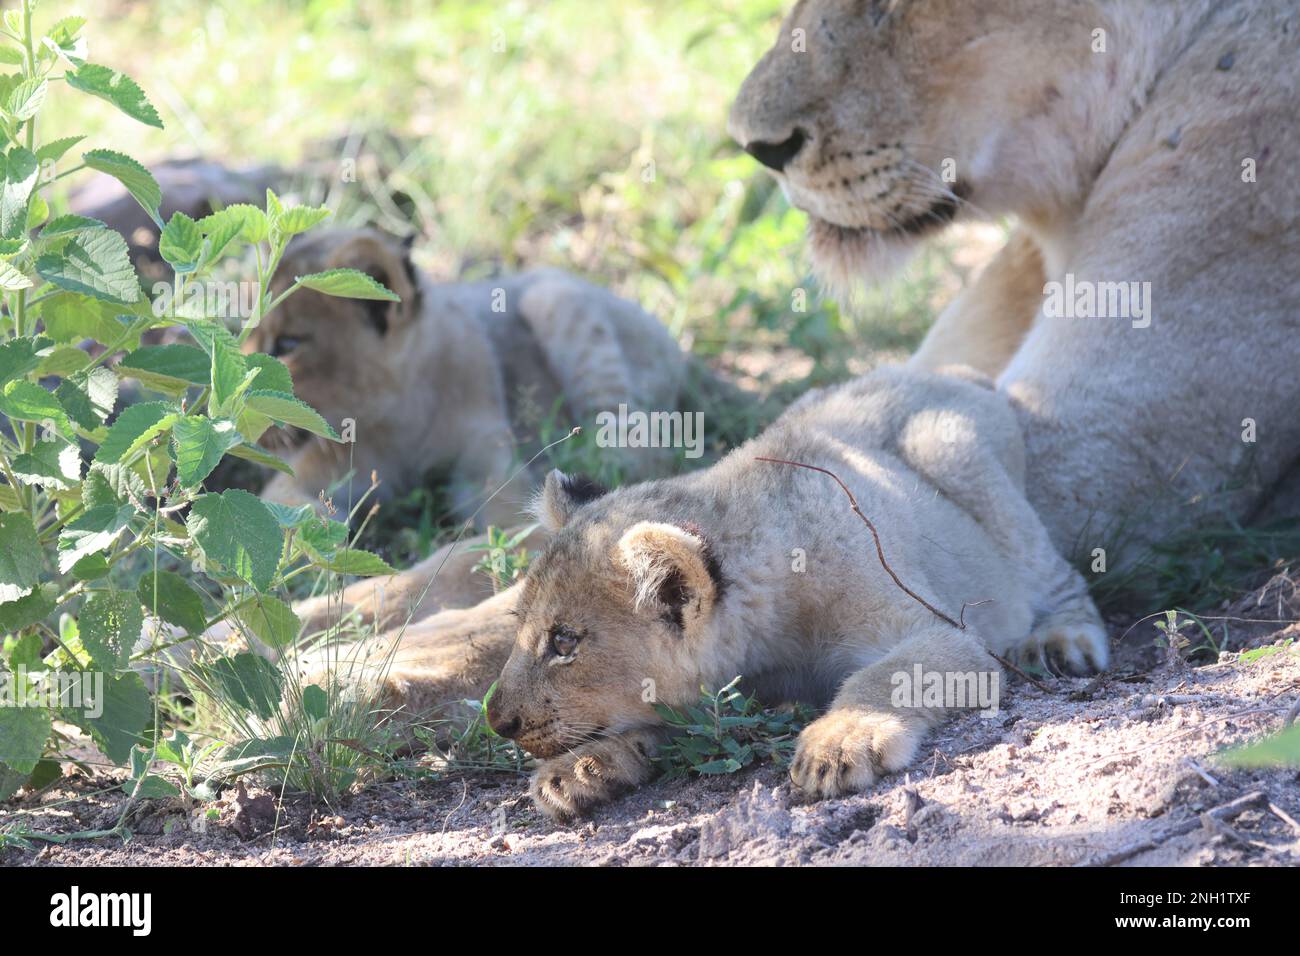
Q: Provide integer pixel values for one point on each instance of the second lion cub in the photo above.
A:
(759, 569)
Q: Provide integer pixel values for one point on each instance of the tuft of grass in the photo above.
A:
(1201, 567)
(725, 731)
(504, 560)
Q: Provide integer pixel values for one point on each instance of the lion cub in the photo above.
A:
(760, 569)
(456, 374)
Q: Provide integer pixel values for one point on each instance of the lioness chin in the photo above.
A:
(759, 568)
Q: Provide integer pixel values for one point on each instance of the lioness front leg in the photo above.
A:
(863, 735)
(568, 786)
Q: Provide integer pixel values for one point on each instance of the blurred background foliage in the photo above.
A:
(585, 135)
(581, 134)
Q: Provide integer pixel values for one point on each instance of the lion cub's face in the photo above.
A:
(341, 352)
(614, 617)
(880, 118)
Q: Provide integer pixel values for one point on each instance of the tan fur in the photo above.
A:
(671, 585)
(1121, 166)
(459, 375)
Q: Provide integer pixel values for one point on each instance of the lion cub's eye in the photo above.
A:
(564, 640)
(284, 344)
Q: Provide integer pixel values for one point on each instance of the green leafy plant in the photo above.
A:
(504, 559)
(1178, 646)
(105, 521)
(1276, 750)
(725, 731)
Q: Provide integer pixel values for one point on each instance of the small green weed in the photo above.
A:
(504, 560)
(725, 732)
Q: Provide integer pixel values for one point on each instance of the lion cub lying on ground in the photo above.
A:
(455, 374)
(760, 569)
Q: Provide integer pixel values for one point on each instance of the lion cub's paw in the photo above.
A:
(568, 787)
(846, 751)
(1068, 647)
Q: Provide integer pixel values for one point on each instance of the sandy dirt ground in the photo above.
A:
(1115, 771)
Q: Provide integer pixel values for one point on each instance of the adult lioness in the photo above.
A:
(1143, 318)
(759, 568)
(456, 373)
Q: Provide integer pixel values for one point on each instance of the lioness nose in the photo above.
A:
(777, 155)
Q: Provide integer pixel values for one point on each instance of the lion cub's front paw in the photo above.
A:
(846, 751)
(567, 787)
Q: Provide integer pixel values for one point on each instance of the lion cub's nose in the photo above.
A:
(777, 156)
(502, 726)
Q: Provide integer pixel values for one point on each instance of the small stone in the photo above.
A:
(1226, 61)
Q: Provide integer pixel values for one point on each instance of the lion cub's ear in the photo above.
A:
(385, 260)
(673, 570)
(562, 495)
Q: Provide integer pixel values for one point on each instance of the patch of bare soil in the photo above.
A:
(1114, 771)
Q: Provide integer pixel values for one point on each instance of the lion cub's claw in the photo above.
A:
(847, 751)
(568, 787)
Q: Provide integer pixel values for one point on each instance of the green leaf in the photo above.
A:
(23, 732)
(89, 402)
(21, 171)
(127, 712)
(55, 465)
(361, 563)
(274, 375)
(91, 568)
(94, 263)
(69, 224)
(27, 98)
(12, 279)
(260, 753)
(246, 680)
(271, 620)
(291, 516)
(220, 229)
(239, 533)
(201, 443)
(94, 531)
(110, 625)
(228, 365)
(111, 485)
(315, 702)
(139, 182)
(62, 361)
(26, 611)
(118, 89)
(141, 420)
(167, 368)
(260, 457)
(324, 537)
(287, 410)
(142, 783)
(38, 210)
(171, 598)
(28, 402)
(54, 150)
(70, 318)
(17, 359)
(348, 283)
(297, 219)
(254, 224)
(181, 243)
(1276, 750)
(20, 556)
